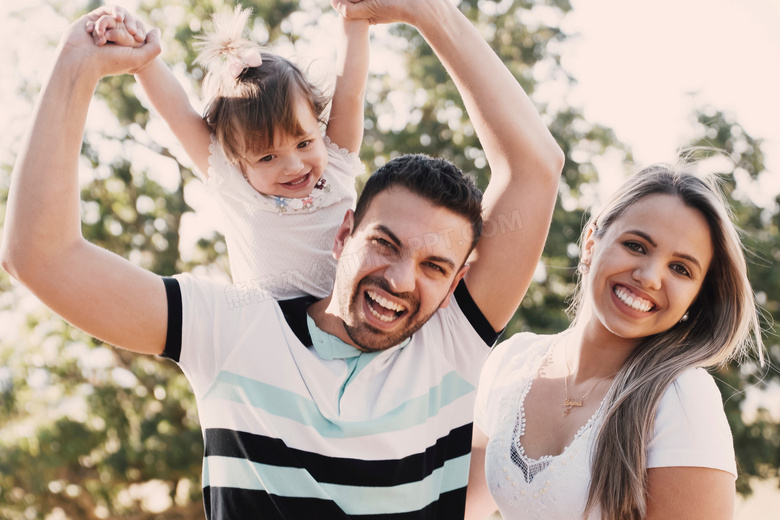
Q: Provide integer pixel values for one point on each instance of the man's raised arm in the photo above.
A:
(97, 291)
(525, 161)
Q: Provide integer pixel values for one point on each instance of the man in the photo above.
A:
(356, 405)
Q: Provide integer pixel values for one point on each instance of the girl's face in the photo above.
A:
(648, 267)
(293, 165)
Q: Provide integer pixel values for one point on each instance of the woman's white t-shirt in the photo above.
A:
(690, 430)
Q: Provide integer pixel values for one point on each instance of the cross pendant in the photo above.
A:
(569, 404)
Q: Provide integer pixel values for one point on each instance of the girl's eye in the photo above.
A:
(303, 144)
(266, 158)
(681, 269)
(634, 246)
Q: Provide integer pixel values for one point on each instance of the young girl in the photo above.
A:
(282, 187)
(616, 418)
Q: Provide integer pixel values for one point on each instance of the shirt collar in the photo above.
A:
(330, 347)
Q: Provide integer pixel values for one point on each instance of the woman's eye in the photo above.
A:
(681, 269)
(634, 246)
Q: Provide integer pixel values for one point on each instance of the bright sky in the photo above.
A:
(637, 61)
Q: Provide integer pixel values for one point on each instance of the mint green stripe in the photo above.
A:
(283, 403)
(354, 500)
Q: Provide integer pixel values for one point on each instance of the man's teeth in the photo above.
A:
(384, 302)
(632, 300)
(381, 317)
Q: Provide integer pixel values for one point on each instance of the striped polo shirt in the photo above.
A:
(300, 425)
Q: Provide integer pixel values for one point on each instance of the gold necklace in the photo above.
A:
(568, 404)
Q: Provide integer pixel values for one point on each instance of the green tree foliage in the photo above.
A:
(757, 441)
(87, 431)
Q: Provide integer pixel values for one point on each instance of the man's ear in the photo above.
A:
(588, 244)
(458, 277)
(343, 234)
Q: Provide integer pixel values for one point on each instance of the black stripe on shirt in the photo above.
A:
(336, 470)
(173, 336)
(240, 504)
(475, 316)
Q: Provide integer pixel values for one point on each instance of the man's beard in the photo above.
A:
(365, 336)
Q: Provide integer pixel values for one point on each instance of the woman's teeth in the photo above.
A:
(632, 300)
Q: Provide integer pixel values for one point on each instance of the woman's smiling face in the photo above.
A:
(648, 266)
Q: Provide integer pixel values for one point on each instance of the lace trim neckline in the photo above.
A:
(531, 466)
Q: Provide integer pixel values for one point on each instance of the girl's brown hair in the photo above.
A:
(245, 111)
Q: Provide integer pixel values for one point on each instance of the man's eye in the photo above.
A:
(436, 267)
(384, 245)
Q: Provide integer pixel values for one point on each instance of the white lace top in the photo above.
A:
(280, 247)
(691, 430)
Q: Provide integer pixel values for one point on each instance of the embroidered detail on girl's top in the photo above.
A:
(309, 203)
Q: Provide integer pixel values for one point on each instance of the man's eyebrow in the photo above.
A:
(652, 243)
(442, 260)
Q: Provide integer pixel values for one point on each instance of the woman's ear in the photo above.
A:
(588, 244)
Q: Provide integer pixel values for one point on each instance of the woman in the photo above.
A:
(615, 418)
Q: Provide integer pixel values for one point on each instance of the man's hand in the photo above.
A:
(115, 25)
(383, 11)
(79, 53)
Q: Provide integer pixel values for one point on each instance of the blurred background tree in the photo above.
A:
(87, 431)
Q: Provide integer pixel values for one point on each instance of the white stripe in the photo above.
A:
(354, 500)
(394, 445)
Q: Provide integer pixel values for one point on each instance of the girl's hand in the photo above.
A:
(115, 25)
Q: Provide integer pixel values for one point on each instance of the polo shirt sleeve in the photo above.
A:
(691, 428)
(198, 315)
(474, 315)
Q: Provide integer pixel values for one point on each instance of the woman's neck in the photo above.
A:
(595, 352)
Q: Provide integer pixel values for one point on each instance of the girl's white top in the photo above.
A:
(280, 247)
(690, 430)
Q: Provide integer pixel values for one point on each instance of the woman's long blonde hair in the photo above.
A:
(722, 325)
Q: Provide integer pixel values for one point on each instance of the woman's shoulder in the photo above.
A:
(691, 388)
(518, 350)
(691, 428)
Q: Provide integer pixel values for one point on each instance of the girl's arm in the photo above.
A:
(119, 27)
(345, 125)
(170, 100)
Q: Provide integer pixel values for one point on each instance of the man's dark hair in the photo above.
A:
(436, 180)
